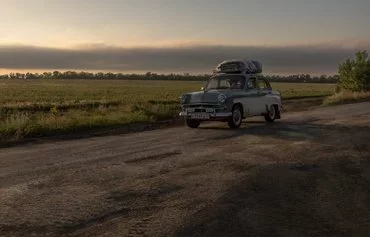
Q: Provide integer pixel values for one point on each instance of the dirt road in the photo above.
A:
(305, 175)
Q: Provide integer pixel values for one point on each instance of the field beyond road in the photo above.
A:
(305, 175)
(31, 108)
(23, 92)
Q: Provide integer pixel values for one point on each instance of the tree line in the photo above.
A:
(304, 78)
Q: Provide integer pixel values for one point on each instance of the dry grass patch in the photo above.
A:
(347, 97)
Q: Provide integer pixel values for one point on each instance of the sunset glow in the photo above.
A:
(77, 24)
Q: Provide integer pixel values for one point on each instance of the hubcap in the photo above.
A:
(236, 116)
(272, 111)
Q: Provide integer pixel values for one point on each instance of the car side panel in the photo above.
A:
(273, 97)
(270, 96)
(251, 101)
(248, 103)
(263, 99)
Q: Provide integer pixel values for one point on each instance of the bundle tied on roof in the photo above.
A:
(239, 66)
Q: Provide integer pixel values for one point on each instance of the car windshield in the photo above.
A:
(226, 82)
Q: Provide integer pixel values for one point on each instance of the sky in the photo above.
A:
(287, 36)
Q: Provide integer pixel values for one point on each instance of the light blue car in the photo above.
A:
(237, 90)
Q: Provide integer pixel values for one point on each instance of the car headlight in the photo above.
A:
(221, 98)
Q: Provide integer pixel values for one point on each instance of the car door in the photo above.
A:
(264, 89)
(251, 98)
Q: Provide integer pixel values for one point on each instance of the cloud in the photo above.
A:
(194, 58)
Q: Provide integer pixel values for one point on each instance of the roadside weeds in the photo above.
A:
(56, 125)
(347, 97)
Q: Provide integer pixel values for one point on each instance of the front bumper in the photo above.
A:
(212, 116)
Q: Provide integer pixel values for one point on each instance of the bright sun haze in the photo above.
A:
(180, 36)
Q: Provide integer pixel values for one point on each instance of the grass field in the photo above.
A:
(43, 107)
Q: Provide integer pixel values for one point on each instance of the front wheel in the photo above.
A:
(237, 116)
(271, 114)
(192, 123)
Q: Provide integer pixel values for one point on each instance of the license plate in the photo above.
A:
(200, 116)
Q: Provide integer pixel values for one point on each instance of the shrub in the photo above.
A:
(354, 75)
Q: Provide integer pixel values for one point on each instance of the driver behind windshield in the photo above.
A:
(236, 84)
(226, 82)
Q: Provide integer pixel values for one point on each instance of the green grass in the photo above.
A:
(43, 107)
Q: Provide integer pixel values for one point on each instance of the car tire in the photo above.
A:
(192, 123)
(235, 121)
(271, 114)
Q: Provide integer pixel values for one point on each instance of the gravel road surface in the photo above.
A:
(307, 174)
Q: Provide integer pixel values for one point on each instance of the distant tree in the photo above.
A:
(354, 75)
(148, 74)
(12, 75)
(20, 75)
(46, 75)
(99, 75)
(30, 76)
(109, 75)
(120, 76)
(56, 74)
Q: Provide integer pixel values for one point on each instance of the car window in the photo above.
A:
(224, 83)
(252, 83)
(262, 84)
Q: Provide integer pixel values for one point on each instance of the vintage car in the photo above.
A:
(235, 91)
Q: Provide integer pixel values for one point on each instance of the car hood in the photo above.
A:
(206, 96)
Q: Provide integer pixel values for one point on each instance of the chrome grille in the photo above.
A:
(209, 108)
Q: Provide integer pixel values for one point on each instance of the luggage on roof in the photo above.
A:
(239, 66)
